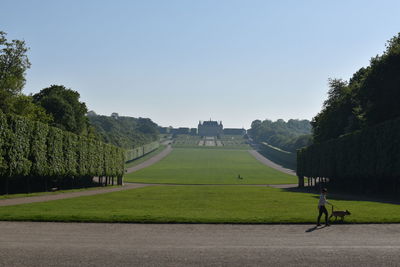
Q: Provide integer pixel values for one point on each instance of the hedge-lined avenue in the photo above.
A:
(33, 149)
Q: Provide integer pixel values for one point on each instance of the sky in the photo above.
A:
(181, 61)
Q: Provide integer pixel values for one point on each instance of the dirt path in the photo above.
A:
(151, 161)
(103, 244)
(24, 200)
(269, 163)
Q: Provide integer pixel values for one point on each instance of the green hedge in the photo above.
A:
(365, 161)
(34, 149)
(279, 156)
(138, 152)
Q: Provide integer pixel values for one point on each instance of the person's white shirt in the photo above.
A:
(322, 200)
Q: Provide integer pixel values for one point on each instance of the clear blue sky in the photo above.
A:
(178, 62)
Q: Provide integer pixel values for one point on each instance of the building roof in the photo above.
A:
(210, 123)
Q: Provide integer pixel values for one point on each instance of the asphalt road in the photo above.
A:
(74, 244)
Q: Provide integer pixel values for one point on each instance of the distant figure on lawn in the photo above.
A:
(240, 177)
(321, 207)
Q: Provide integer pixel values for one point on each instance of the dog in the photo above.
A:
(339, 213)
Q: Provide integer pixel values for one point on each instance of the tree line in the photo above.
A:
(61, 107)
(356, 133)
(36, 156)
(288, 136)
(369, 97)
(125, 132)
(46, 139)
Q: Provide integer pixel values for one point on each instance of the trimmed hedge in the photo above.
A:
(34, 149)
(279, 156)
(364, 161)
(138, 152)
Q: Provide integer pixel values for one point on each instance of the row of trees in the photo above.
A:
(368, 98)
(46, 138)
(356, 133)
(140, 151)
(126, 132)
(34, 149)
(55, 105)
(289, 136)
(363, 161)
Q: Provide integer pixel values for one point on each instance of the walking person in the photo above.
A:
(321, 207)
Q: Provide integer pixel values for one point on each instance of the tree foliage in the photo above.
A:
(126, 132)
(370, 97)
(357, 132)
(34, 149)
(13, 64)
(67, 111)
(367, 160)
(288, 136)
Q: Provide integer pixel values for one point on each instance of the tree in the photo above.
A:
(23, 105)
(13, 65)
(380, 88)
(64, 105)
(333, 120)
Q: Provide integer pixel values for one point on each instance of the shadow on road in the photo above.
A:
(312, 229)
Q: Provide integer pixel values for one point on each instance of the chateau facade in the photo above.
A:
(210, 128)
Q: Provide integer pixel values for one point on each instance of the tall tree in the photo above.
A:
(64, 105)
(13, 65)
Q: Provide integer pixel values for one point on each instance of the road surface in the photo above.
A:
(75, 244)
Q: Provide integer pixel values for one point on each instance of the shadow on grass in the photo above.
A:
(344, 196)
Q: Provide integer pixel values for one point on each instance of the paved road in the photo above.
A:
(271, 164)
(74, 244)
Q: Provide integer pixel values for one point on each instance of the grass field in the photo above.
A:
(197, 204)
(53, 193)
(210, 166)
(145, 157)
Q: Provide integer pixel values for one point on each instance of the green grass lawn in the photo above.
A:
(210, 166)
(145, 157)
(197, 204)
(9, 196)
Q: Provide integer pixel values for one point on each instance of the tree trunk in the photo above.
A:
(301, 181)
(28, 186)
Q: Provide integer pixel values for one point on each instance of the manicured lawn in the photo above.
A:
(145, 157)
(197, 204)
(210, 166)
(53, 193)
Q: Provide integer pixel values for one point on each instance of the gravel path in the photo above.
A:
(269, 163)
(24, 200)
(147, 163)
(152, 160)
(75, 244)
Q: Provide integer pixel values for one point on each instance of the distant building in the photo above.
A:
(183, 130)
(193, 131)
(114, 115)
(234, 131)
(210, 128)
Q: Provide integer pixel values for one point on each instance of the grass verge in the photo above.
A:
(210, 166)
(135, 162)
(198, 204)
(10, 196)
